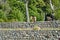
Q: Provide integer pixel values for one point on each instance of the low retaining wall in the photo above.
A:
(29, 25)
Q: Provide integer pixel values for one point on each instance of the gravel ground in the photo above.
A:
(29, 35)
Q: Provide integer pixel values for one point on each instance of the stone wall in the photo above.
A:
(30, 34)
(29, 25)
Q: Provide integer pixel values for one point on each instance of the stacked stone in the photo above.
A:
(41, 24)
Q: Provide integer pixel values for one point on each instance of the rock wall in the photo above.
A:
(30, 25)
(29, 34)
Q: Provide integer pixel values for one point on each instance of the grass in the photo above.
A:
(35, 28)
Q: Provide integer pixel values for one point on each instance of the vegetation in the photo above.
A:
(15, 10)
